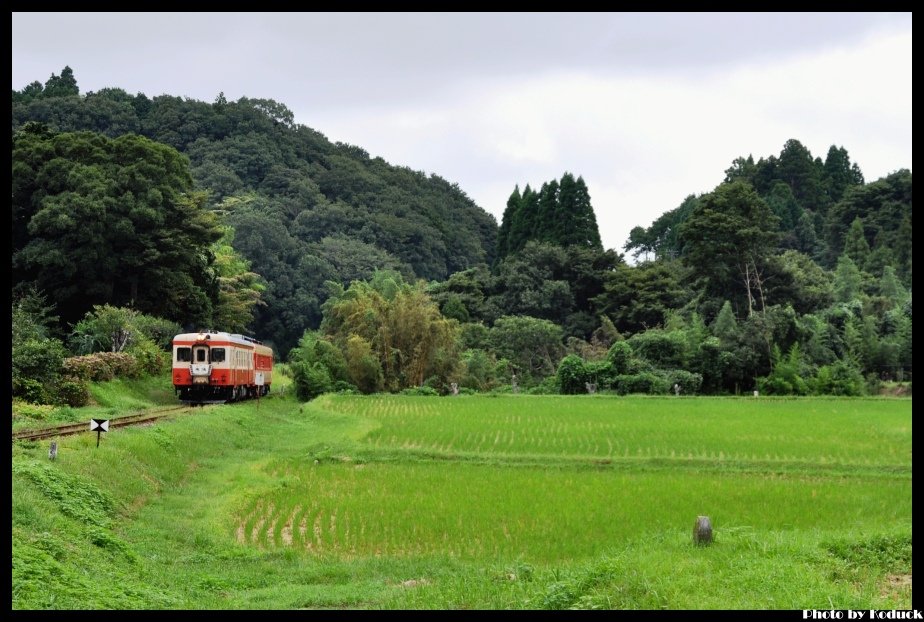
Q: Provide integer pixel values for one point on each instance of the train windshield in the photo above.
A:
(218, 355)
(183, 355)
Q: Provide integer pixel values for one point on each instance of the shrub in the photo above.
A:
(31, 390)
(341, 386)
(600, 372)
(36, 365)
(572, 375)
(123, 364)
(785, 378)
(839, 378)
(103, 366)
(478, 370)
(32, 411)
(156, 330)
(689, 382)
(644, 382)
(548, 386)
(311, 380)
(424, 390)
(150, 359)
(72, 391)
(664, 349)
(620, 357)
(314, 348)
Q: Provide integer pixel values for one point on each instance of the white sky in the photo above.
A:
(648, 108)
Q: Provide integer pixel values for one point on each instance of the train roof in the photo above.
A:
(211, 335)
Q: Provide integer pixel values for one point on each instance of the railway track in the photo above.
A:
(68, 429)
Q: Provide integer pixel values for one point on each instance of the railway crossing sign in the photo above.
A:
(99, 426)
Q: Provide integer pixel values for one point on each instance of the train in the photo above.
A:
(212, 367)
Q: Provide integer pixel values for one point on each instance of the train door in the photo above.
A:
(200, 368)
(201, 355)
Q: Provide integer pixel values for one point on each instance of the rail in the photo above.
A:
(68, 429)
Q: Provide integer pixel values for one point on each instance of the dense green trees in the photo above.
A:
(793, 275)
(560, 214)
(343, 212)
(814, 201)
(97, 220)
(729, 238)
(392, 335)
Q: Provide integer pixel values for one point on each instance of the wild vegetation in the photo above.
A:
(304, 210)
(793, 276)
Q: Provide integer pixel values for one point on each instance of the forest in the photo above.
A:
(135, 216)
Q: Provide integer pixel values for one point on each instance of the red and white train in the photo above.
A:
(211, 367)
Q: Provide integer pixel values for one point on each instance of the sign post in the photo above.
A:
(99, 426)
(258, 379)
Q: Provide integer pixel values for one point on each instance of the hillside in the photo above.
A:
(306, 210)
(792, 276)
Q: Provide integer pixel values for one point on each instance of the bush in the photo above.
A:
(689, 382)
(311, 380)
(839, 378)
(600, 372)
(664, 349)
(548, 386)
(572, 375)
(644, 382)
(116, 329)
(72, 391)
(314, 348)
(32, 411)
(150, 359)
(88, 367)
(31, 391)
(103, 366)
(157, 330)
(424, 390)
(478, 370)
(346, 388)
(36, 365)
(620, 357)
(785, 378)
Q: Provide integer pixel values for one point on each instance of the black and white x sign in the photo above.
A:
(97, 425)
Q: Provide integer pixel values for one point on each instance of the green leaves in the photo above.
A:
(111, 221)
(560, 214)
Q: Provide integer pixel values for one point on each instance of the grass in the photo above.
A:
(108, 400)
(473, 502)
(540, 515)
(813, 431)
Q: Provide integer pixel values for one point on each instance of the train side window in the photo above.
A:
(218, 355)
(183, 355)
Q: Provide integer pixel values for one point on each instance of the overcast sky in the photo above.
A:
(648, 108)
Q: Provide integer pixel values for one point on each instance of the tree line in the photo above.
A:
(304, 210)
(791, 276)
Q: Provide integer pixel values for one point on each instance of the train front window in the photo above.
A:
(183, 355)
(218, 355)
(200, 355)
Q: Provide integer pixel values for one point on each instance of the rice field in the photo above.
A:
(552, 479)
(474, 502)
(541, 515)
(812, 431)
